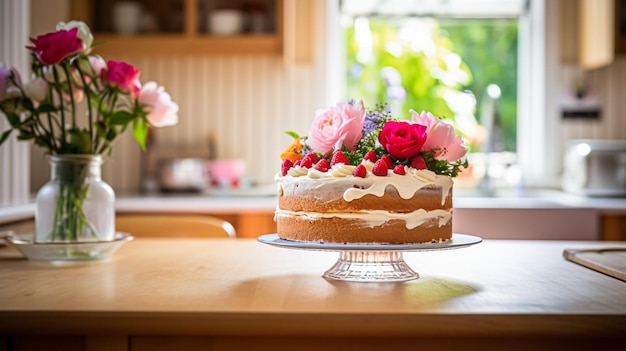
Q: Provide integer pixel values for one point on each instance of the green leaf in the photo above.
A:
(27, 104)
(5, 135)
(46, 107)
(140, 131)
(25, 136)
(101, 130)
(292, 134)
(121, 118)
(14, 120)
(80, 141)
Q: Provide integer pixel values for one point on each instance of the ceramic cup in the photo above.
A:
(226, 22)
(127, 17)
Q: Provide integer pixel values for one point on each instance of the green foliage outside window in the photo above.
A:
(427, 64)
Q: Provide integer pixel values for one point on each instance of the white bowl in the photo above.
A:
(226, 22)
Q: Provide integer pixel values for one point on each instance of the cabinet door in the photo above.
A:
(620, 26)
(596, 33)
(180, 27)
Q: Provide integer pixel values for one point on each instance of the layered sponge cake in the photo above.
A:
(375, 186)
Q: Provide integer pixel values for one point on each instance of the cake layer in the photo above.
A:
(308, 197)
(336, 206)
(340, 230)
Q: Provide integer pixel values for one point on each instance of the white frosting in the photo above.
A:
(340, 170)
(406, 184)
(377, 217)
(340, 175)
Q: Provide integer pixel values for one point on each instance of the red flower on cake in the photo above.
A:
(441, 137)
(339, 126)
(402, 139)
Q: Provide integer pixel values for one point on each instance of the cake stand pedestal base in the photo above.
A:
(359, 262)
(368, 266)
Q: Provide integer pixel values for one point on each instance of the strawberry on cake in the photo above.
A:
(364, 177)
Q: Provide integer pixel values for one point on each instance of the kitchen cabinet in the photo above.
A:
(179, 27)
(620, 27)
(614, 227)
(596, 33)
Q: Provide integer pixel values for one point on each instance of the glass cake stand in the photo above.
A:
(371, 262)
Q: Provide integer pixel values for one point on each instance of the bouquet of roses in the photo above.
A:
(64, 75)
(349, 134)
(75, 105)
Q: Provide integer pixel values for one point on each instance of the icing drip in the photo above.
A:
(406, 185)
(378, 217)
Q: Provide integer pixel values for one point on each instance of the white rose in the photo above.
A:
(36, 89)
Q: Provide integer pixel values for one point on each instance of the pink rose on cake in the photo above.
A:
(375, 143)
(337, 127)
(442, 139)
(402, 139)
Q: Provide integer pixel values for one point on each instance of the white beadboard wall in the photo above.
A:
(14, 161)
(609, 84)
(245, 102)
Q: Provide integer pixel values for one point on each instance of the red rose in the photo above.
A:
(402, 139)
(53, 48)
(123, 75)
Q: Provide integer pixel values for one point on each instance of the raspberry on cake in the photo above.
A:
(361, 176)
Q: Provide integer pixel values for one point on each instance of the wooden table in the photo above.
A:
(238, 294)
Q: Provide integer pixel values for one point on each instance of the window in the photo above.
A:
(460, 69)
(527, 118)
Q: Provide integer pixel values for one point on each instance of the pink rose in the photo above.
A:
(97, 64)
(162, 111)
(5, 73)
(441, 137)
(338, 126)
(7, 88)
(54, 47)
(402, 139)
(123, 75)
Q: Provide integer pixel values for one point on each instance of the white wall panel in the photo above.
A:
(245, 102)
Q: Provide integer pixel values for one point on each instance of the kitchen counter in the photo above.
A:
(539, 199)
(536, 199)
(223, 294)
(510, 214)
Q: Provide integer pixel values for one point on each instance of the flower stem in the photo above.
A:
(70, 85)
(62, 107)
(87, 91)
(70, 221)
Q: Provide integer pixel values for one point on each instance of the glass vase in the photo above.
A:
(75, 205)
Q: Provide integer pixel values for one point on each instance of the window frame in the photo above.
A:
(538, 150)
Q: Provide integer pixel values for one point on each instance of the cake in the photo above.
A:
(362, 176)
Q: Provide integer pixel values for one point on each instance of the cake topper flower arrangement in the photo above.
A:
(45, 109)
(348, 133)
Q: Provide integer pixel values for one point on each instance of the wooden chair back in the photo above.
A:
(170, 225)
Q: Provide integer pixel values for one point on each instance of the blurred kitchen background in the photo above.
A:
(243, 72)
